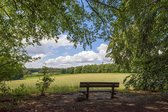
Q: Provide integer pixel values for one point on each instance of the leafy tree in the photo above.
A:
(84, 69)
(13, 70)
(140, 42)
(78, 69)
(102, 68)
(70, 70)
(11, 63)
(63, 71)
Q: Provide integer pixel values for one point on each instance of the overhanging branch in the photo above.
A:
(5, 11)
(106, 5)
(95, 11)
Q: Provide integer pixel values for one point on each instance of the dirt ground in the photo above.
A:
(98, 102)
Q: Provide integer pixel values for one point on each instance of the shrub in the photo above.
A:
(4, 88)
(44, 83)
(20, 91)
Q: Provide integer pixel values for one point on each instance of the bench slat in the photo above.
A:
(84, 91)
(99, 84)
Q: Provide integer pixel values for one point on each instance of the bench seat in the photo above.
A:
(92, 91)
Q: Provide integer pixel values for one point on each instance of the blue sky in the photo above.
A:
(63, 54)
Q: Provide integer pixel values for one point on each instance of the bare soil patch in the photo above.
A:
(98, 102)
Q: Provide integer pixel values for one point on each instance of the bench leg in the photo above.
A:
(112, 93)
(87, 93)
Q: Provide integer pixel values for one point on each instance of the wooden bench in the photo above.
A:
(89, 85)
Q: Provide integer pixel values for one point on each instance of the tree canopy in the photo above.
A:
(140, 41)
(25, 23)
(34, 20)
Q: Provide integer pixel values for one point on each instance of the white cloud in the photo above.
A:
(81, 58)
(47, 46)
(36, 64)
(62, 41)
(102, 48)
(102, 52)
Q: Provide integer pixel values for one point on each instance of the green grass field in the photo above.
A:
(70, 82)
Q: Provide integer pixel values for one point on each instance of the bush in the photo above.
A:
(4, 88)
(44, 83)
(20, 91)
(9, 98)
(152, 76)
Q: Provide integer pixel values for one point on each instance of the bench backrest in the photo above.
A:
(99, 84)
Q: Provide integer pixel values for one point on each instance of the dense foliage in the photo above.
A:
(102, 68)
(11, 69)
(140, 41)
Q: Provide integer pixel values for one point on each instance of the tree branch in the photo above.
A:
(15, 4)
(101, 3)
(94, 11)
(5, 12)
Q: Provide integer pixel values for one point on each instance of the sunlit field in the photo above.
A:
(70, 82)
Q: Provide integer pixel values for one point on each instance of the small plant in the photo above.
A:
(44, 83)
(4, 88)
(18, 94)
(20, 91)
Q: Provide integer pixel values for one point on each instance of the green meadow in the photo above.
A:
(69, 82)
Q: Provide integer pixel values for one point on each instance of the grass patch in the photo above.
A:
(70, 82)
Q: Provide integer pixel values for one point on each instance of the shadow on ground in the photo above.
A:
(98, 102)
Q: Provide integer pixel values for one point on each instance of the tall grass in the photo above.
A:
(69, 82)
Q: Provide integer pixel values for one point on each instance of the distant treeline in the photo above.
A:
(102, 68)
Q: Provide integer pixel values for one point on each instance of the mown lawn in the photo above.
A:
(70, 82)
